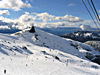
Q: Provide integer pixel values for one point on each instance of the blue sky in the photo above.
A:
(55, 7)
(47, 10)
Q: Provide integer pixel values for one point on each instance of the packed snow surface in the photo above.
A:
(41, 53)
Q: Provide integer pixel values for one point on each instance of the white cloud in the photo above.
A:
(68, 18)
(47, 17)
(27, 20)
(6, 19)
(71, 4)
(24, 21)
(55, 25)
(27, 13)
(4, 12)
(13, 4)
(4, 27)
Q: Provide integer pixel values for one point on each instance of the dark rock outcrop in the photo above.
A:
(94, 44)
(32, 30)
(97, 60)
(90, 56)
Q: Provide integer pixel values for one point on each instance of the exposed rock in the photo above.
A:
(56, 57)
(24, 47)
(75, 45)
(32, 30)
(44, 52)
(4, 71)
(97, 60)
(94, 44)
(89, 56)
(94, 58)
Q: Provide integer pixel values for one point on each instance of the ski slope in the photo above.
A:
(41, 53)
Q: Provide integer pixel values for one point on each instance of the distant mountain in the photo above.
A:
(83, 36)
(85, 27)
(9, 31)
(61, 30)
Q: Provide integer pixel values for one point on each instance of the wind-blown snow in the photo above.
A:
(41, 53)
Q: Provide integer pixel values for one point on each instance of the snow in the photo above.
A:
(42, 53)
(85, 27)
(89, 34)
(85, 34)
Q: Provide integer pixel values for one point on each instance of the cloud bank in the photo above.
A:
(47, 17)
(13, 4)
(48, 21)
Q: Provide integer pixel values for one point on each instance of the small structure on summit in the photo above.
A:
(32, 30)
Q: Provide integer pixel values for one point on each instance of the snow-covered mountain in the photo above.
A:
(83, 36)
(41, 53)
(85, 27)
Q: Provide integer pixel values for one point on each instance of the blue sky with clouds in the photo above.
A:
(54, 7)
(46, 12)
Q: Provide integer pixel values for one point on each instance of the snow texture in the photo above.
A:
(41, 53)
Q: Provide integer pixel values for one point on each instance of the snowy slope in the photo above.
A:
(41, 53)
